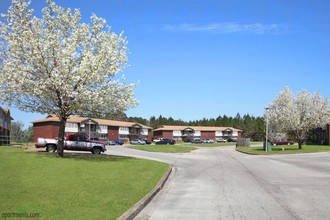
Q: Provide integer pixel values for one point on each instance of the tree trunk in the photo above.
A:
(300, 145)
(60, 147)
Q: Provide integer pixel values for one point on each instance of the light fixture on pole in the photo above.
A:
(266, 144)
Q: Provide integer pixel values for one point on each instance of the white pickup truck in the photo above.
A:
(78, 142)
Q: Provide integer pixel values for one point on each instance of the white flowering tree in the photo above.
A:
(57, 64)
(297, 115)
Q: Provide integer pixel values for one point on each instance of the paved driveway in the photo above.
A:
(220, 183)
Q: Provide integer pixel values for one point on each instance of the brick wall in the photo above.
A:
(167, 134)
(157, 134)
(45, 130)
(149, 134)
(113, 132)
(163, 134)
(207, 134)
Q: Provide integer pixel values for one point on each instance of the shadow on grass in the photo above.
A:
(85, 156)
(284, 149)
(280, 148)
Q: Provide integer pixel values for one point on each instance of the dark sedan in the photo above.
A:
(231, 139)
(166, 141)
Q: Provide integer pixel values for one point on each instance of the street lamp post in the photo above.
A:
(266, 146)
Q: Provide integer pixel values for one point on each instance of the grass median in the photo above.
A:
(215, 144)
(78, 186)
(176, 148)
(292, 149)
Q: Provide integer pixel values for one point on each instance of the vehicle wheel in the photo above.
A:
(96, 150)
(51, 148)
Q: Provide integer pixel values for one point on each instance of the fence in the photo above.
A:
(4, 140)
(13, 140)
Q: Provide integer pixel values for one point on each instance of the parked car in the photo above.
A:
(196, 141)
(282, 142)
(157, 139)
(231, 139)
(147, 141)
(77, 142)
(119, 142)
(137, 141)
(166, 141)
(109, 142)
(208, 140)
(221, 140)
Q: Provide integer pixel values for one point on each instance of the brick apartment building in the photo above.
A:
(188, 132)
(93, 127)
(5, 122)
(320, 135)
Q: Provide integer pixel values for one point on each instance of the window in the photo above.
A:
(81, 138)
(218, 133)
(123, 130)
(71, 125)
(103, 136)
(103, 129)
(145, 131)
(197, 133)
(123, 137)
(177, 133)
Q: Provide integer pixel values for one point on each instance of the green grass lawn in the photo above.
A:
(293, 149)
(216, 144)
(78, 186)
(176, 148)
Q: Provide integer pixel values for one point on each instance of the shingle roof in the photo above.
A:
(77, 119)
(198, 128)
(7, 112)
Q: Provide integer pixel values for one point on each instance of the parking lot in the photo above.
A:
(220, 183)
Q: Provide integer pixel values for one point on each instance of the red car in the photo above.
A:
(282, 143)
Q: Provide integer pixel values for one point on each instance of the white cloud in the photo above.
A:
(229, 27)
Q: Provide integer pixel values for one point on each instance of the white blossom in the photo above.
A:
(55, 61)
(297, 115)
(56, 64)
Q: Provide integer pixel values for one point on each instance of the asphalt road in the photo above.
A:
(220, 183)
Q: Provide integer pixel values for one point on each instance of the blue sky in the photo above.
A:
(196, 59)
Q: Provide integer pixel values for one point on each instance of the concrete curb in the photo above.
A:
(137, 208)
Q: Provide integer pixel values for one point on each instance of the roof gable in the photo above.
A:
(6, 112)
